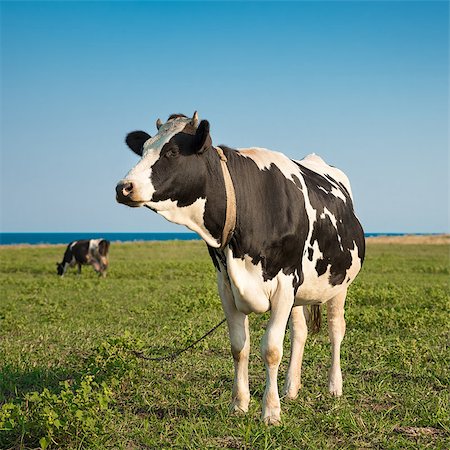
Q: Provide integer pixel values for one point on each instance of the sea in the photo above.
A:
(65, 238)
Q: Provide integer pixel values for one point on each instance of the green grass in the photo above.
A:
(68, 378)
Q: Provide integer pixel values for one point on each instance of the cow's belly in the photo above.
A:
(252, 294)
(316, 292)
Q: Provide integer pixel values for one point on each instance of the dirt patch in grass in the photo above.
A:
(229, 442)
(414, 432)
(435, 239)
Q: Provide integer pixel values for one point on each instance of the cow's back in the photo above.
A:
(317, 164)
(80, 250)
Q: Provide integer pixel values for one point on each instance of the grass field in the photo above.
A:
(68, 378)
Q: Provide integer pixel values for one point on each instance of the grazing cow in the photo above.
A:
(86, 251)
(281, 233)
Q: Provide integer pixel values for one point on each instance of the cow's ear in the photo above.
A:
(136, 139)
(202, 137)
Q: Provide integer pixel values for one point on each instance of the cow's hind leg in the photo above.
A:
(240, 347)
(299, 332)
(336, 331)
(272, 351)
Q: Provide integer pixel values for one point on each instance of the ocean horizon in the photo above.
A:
(7, 238)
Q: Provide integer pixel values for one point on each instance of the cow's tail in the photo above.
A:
(315, 318)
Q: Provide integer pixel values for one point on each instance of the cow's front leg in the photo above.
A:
(336, 331)
(299, 332)
(103, 265)
(240, 347)
(272, 351)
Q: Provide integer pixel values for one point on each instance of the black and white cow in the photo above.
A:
(281, 233)
(86, 251)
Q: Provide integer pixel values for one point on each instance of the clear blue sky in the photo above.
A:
(363, 84)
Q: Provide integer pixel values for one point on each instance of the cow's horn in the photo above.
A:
(159, 124)
(194, 120)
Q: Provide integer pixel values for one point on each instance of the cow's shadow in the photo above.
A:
(15, 383)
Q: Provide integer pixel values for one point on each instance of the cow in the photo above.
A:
(86, 251)
(281, 233)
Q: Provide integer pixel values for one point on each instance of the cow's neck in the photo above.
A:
(206, 216)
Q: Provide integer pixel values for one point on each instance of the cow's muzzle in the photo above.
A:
(125, 191)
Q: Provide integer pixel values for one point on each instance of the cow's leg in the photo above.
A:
(336, 331)
(79, 268)
(104, 265)
(272, 351)
(299, 332)
(240, 347)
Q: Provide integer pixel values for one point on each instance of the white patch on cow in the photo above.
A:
(264, 158)
(93, 257)
(140, 174)
(251, 293)
(93, 246)
(317, 290)
(355, 267)
(191, 216)
(327, 212)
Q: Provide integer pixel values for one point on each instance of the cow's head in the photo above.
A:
(169, 173)
(60, 269)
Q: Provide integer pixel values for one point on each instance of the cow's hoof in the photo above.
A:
(335, 391)
(290, 393)
(335, 383)
(272, 421)
(271, 415)
(238, 408)
(289, 396)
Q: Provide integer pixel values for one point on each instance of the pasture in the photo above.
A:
(69, 379)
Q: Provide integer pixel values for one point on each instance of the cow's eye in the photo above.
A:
(172, 153)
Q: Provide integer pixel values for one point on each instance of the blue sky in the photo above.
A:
(363, 84)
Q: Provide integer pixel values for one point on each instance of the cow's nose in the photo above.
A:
(124, 190)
